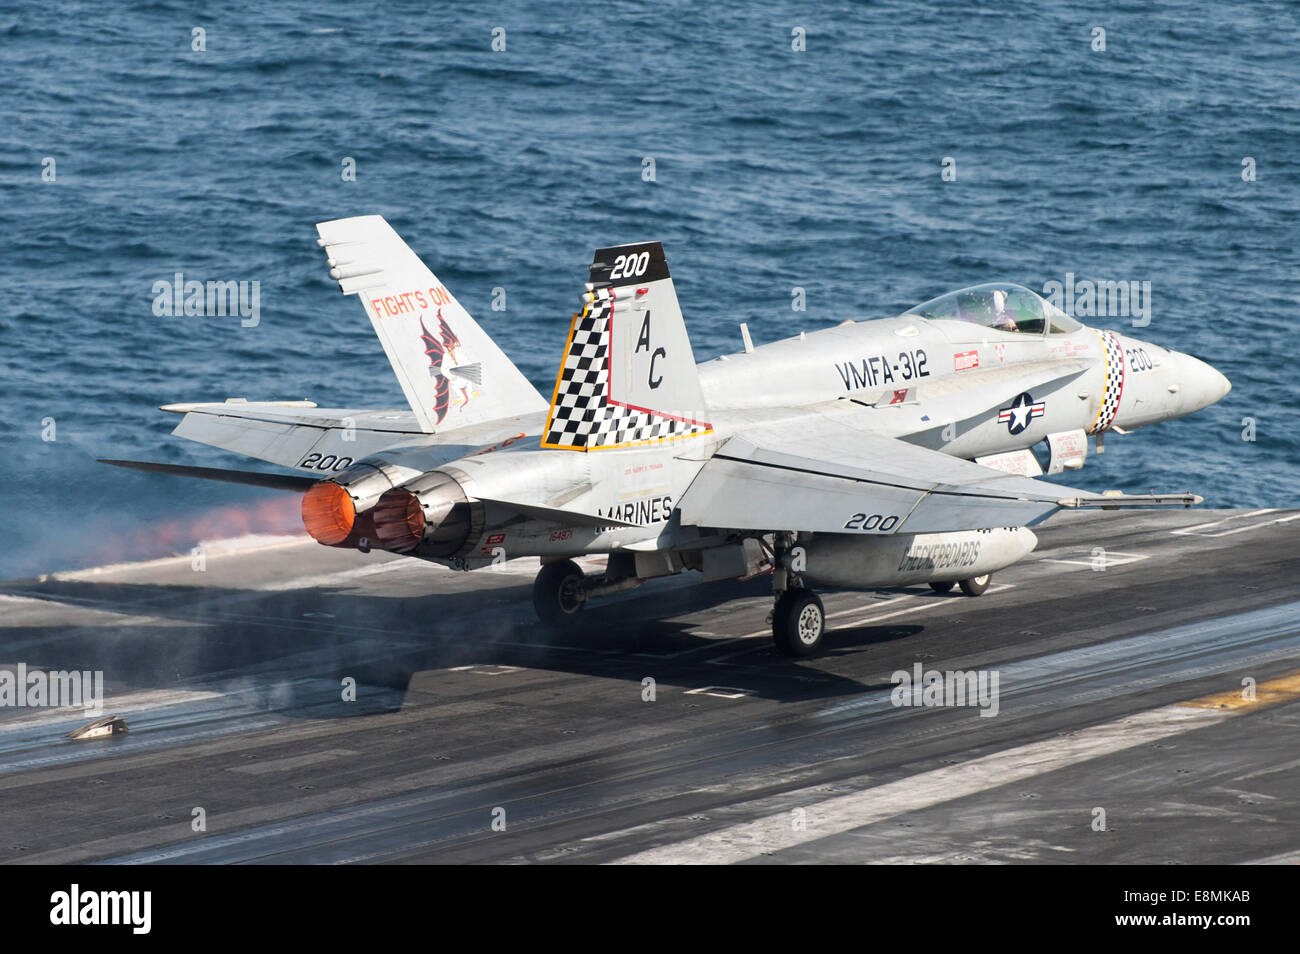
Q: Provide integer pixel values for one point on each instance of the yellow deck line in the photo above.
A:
(1268, 693)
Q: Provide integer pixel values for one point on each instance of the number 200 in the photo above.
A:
(877, 522)
(327, 462)
(630, 266)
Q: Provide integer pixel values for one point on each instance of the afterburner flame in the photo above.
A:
(328, 513)
(399, 520)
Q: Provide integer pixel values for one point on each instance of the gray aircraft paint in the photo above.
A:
(753, 457)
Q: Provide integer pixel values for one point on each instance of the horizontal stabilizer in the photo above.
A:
(251, 478)
(294, 435)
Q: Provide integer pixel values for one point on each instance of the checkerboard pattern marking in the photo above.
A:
(581, 416)
(1114, 382)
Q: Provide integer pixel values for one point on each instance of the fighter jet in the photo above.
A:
(878, 453)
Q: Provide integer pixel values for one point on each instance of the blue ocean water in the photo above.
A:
(774, 168)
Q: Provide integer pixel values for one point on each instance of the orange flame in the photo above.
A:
(328, 513)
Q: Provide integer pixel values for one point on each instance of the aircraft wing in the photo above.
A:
(289, 432)
(825, 475)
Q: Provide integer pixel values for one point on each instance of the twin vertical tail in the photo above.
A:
(628, 376)
(451, 372)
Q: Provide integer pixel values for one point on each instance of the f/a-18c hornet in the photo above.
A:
(873, 453)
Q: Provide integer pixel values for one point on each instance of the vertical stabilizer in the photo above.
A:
(451, 372)
(628, 375)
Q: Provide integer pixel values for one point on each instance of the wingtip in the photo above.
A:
(187, 406)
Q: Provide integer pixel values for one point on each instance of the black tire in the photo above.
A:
(557, 593)
(976, 585)
(799, 623)
(944, 587)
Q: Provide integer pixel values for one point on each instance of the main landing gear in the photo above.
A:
(798, 622)
(561, 589)
(798, 618)
(559, 593)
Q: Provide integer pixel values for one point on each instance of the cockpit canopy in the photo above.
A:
(999, 305)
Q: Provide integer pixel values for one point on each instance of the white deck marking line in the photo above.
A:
(825, 817)
(1192, 530)
(1215, 523)
(721, 660)
(767, 631)
(1253, 526)
(878, 617)
(890, 602)
(875, 617)
(1108, 559)
(721, 692)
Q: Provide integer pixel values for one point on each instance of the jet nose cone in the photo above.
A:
(1203, 384)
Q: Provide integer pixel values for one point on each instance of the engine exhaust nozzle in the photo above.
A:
(328, 512)
(399, 521)
(431, 513)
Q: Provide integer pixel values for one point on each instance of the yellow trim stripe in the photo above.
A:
(559, 376)
(653, 440)
(555, 396)
(1105, 380)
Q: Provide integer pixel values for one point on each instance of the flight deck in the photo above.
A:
(302, 704)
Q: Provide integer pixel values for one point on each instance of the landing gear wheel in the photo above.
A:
(976, 584)
(557, 593)
(798, 622)
(943, 587)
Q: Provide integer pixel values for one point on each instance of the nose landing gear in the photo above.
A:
(975, 586)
